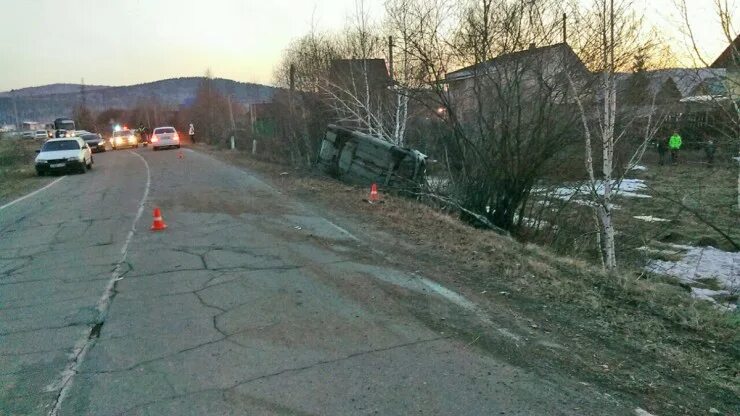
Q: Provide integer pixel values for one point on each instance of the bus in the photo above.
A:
(64, 127)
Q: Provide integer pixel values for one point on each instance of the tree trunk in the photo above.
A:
(609, 246)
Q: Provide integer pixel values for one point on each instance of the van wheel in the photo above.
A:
(83, 168)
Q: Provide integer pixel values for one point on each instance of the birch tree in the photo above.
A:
(609, 35)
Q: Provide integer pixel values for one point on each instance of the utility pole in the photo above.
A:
(565, 28)
(231, 115)
(292, 78)
(15, 110)
(390, 57)
(82, 93)
(290, 108)
(252, 116)
(233, 124)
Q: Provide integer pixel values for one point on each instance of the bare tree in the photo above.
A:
(610, 36)
(726, 103)
(508, 111)
(84, 118)
(344, 74)
(210, 111)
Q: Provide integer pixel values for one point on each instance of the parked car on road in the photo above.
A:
(63, 155)
(164, 137)
(95, 141)
(41, 134)
(124, 138)
(27, 135)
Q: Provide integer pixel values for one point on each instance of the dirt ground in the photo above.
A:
(641, 340)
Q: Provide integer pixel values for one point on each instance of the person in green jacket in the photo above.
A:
(674, 143)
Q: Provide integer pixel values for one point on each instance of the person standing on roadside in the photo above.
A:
(662, 146)
(674, 143)
(709, 149)
(191, 133)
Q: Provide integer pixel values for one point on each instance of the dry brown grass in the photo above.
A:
(17, 174)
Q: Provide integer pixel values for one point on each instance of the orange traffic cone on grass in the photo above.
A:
(374, 193)
(158, 224)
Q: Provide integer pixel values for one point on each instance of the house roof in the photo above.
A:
(543, 54)
(686, 81)
(689, 79)
(343, 70)
(730, 56)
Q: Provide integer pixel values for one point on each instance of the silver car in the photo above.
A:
(165, 137)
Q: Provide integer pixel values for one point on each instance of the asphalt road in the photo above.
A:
(249, 303)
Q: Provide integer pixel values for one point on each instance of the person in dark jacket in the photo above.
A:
(662, 146)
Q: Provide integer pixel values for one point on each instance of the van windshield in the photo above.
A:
(65, 125)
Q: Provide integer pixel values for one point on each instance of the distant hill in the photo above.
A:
(48, 102)
(51, 89)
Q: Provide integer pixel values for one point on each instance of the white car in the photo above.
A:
(63, 155)
(164, 137)
(123, 138)
(41, 134)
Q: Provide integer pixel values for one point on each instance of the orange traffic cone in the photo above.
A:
(374, 193)
(158, 224)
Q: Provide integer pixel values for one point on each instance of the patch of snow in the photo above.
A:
(707, 294)
(650, 218)
(641, 412)
(640, 168)
(628, 188)
(713, 296)
(532, 222)
(436, 182)
(702, 263)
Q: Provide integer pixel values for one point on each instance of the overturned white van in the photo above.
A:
(359, 158)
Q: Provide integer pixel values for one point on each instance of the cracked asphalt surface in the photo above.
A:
(249, 303)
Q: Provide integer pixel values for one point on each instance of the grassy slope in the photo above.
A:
(643, 339)
(17, 175)
(710, 191)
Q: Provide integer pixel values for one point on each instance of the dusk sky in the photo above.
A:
(121, 42)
